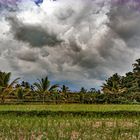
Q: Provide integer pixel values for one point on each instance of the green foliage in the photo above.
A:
(123, 89)
(112, 85)
(117, 89)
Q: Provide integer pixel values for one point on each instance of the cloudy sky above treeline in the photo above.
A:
(77, 42)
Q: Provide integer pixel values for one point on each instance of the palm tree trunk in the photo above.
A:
(2, 99)
(43, 98)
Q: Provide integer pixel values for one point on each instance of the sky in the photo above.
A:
(74, 42)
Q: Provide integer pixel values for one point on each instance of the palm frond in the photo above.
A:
(14, 82)
(38, 86)
(53, 87)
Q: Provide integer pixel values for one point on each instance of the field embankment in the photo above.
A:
(72, 109)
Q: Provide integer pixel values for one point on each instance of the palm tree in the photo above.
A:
(6, 87)
(113, 85)
(64, 91)
(24, 90)
(136, 71)
(43, 87)
(136, 67)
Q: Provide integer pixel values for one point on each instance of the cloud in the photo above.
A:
(78, 41)
(35, 35)
(125, 19)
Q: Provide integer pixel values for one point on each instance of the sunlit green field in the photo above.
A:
(69, 126)
(70, 107)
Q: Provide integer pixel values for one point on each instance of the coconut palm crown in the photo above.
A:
(43, 87)
(6, 87)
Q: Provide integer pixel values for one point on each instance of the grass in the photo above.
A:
(68, 128)
(29, 125)
(70, 107)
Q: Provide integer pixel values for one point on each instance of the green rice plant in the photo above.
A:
(68, 128)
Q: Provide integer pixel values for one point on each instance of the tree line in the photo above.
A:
(116, 89)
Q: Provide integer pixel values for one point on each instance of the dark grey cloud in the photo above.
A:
(124, 20)
(27, 55)
(35, 35)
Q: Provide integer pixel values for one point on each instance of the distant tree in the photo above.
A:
(83, 90)
(23, 90)
(65, 92)
(82, 94)
(20, 93)
(93, 90)
(65, 89)
(25, 85)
